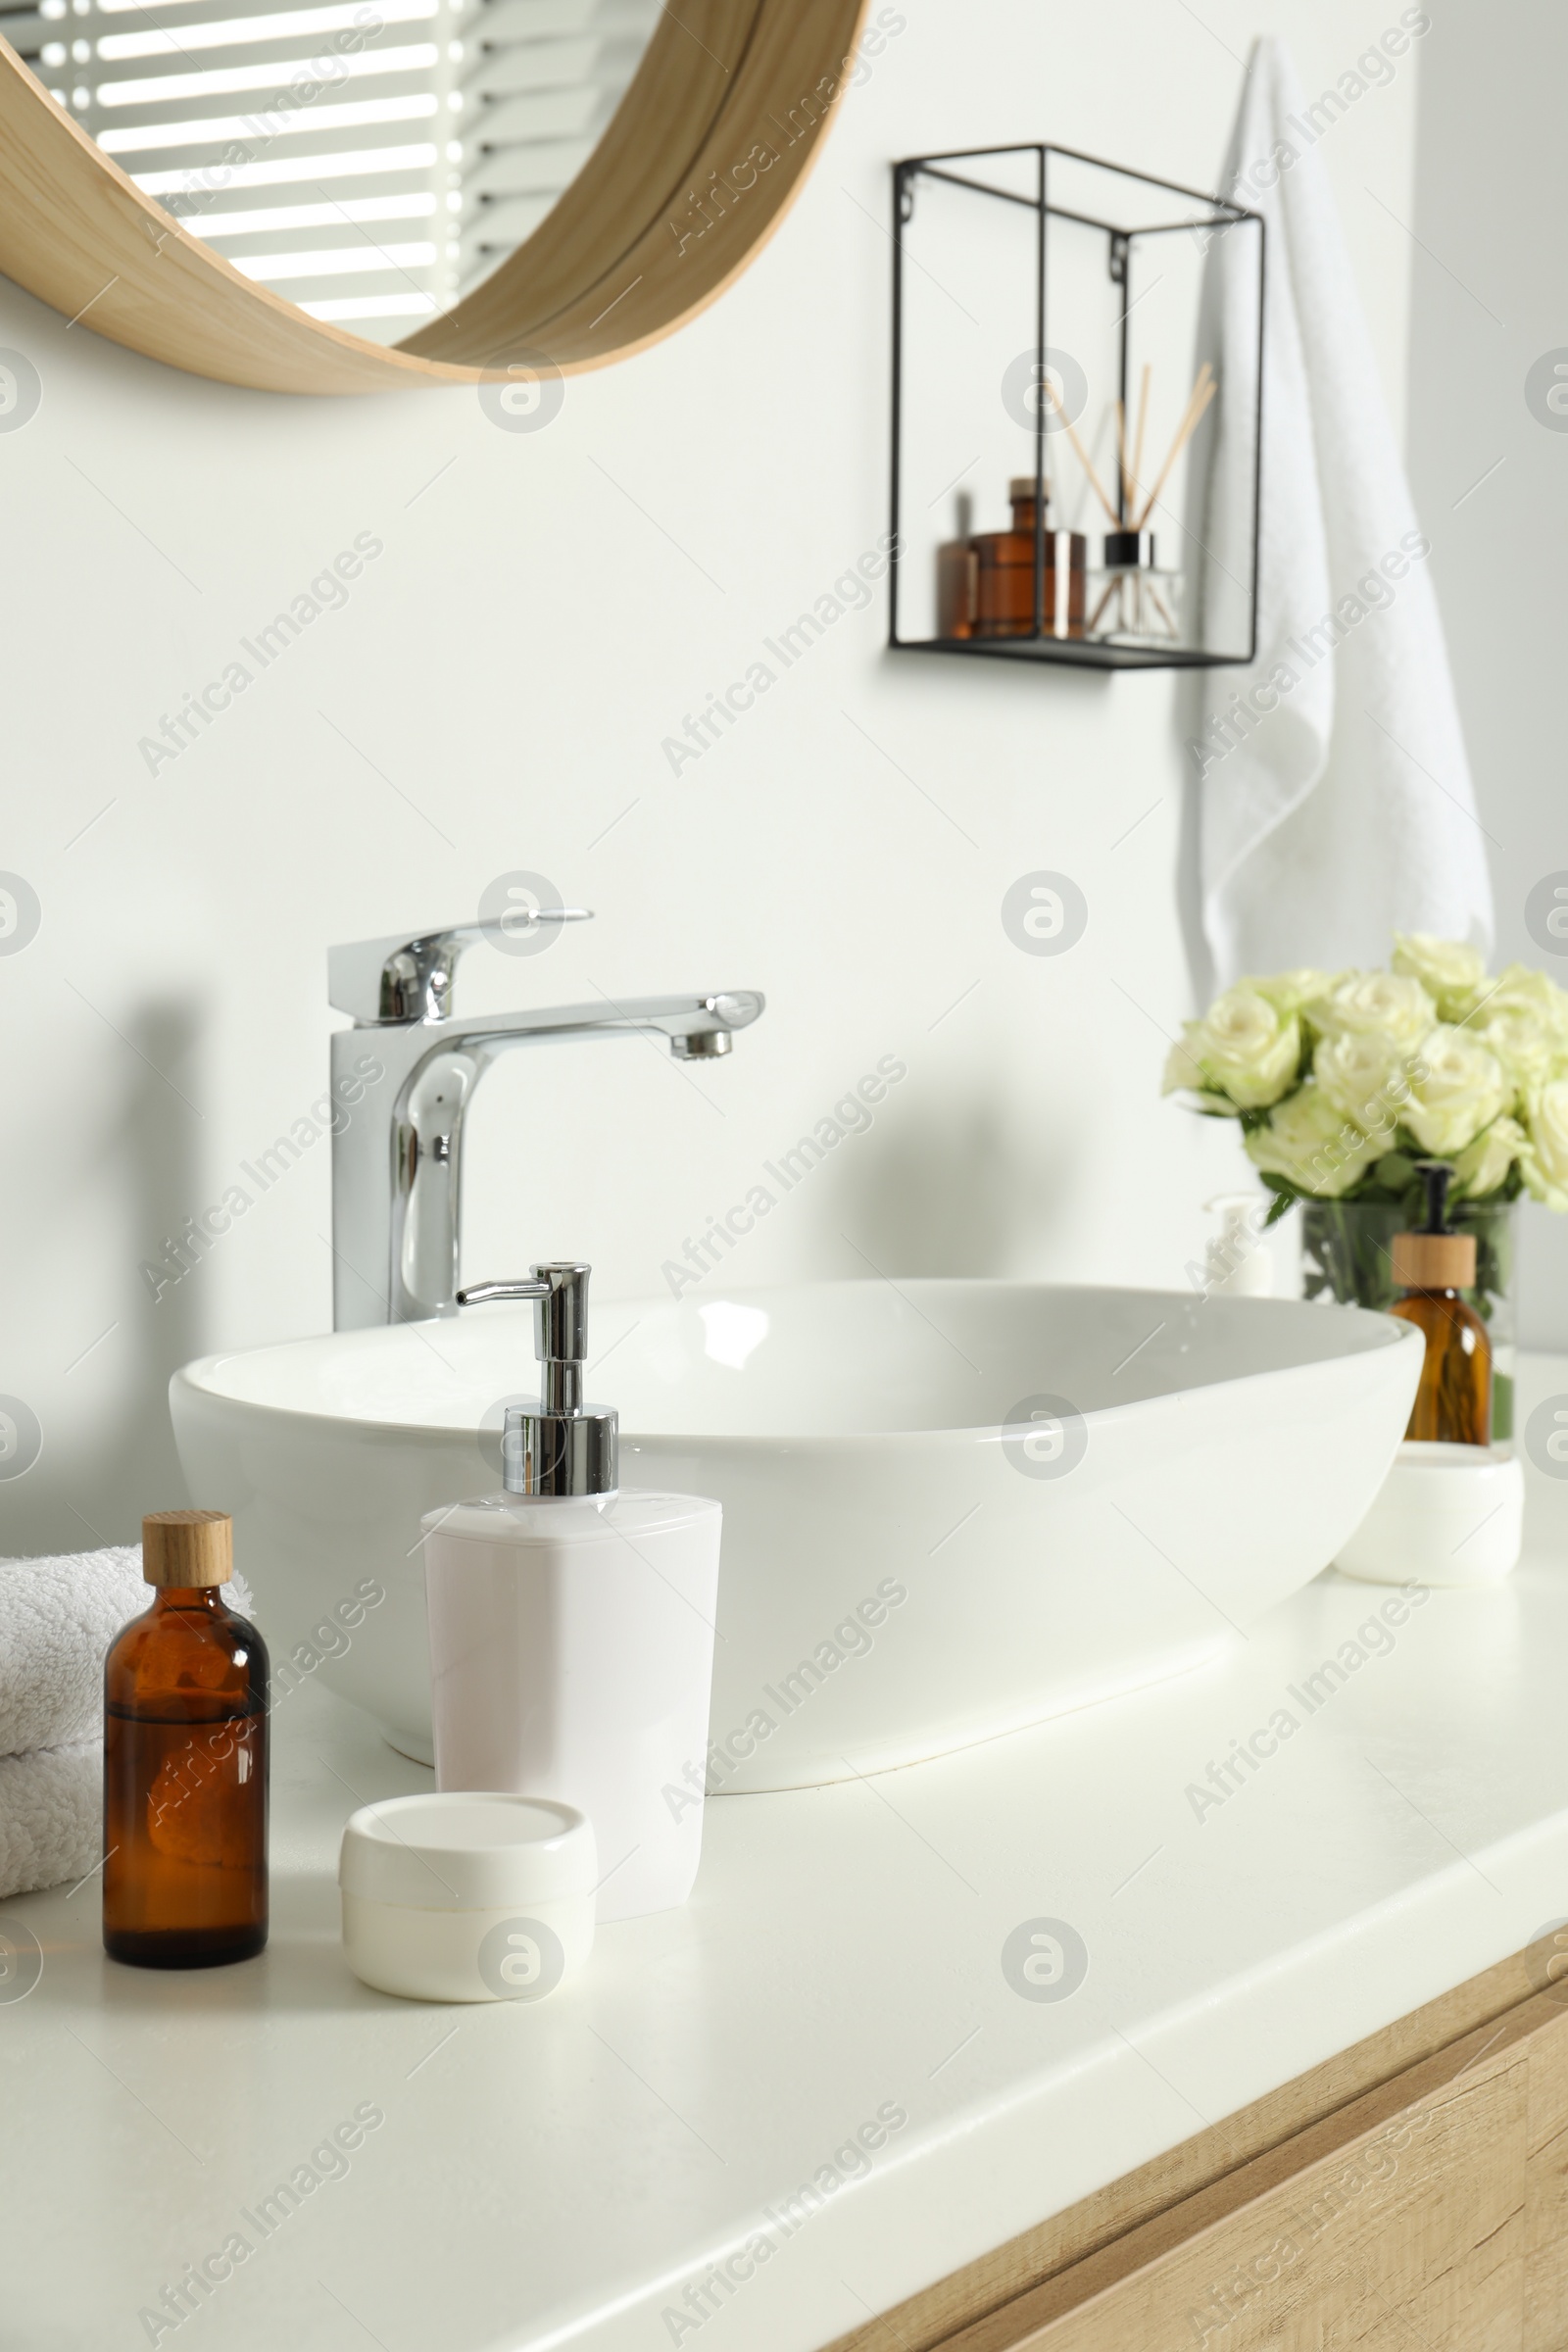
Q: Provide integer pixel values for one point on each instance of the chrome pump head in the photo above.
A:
(560, 1445)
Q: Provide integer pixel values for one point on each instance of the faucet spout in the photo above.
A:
(397, 1157)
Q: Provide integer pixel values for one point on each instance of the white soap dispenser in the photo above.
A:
(571, 1626)
(1237, 1261)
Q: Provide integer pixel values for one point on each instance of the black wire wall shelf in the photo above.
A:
(1083, 344)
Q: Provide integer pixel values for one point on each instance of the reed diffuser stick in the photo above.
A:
(1142, 420)
(1112, 586)
(1199, 386)
(1121, 459)
(1203, 391)
(1080, 453)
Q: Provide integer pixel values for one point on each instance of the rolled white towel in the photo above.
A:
(57, 1618)
(51, 1816)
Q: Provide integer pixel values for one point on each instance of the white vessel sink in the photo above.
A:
(905, 1570)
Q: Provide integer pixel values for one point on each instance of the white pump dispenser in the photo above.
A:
(571, 1626)
(1238, 1266)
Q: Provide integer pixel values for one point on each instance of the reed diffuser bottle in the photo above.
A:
(1454, 1401)
(185, 1761)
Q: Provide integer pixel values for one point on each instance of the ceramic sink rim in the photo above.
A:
(1367, 1333)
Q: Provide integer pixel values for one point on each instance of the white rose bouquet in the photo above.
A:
(1340, 1082)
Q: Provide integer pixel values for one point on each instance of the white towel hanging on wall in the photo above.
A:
(1336, 800)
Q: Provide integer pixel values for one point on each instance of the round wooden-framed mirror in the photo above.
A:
(722, 114)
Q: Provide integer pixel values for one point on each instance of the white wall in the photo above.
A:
(1489, 477)
(505, 674)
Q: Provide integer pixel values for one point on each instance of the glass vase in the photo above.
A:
(1347, 1259)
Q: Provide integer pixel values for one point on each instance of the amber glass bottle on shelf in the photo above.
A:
(185, 1761)
(1434, 1267)
(1004, 573)
(955, 575)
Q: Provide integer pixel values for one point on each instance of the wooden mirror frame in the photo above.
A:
(697, 167)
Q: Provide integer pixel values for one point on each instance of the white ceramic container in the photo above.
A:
(951, 1508)
(1444, 1515)
(477, 1898)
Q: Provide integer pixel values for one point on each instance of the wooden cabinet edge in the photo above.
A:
(1320, 2164)
(1000, 2302)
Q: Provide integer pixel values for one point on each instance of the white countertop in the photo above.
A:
(552, 2174)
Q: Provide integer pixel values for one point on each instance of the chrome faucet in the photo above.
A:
(397, 1156)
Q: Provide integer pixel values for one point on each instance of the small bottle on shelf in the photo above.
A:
(1137, 601)
(955, 575)
(1434, 1269)
(185, 1761)
(1004, 572)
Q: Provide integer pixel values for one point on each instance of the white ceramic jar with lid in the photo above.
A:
(1446, 1515)
(479, 1896)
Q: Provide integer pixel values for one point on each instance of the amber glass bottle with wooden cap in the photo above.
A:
(185, 1761)
(1433, 1268)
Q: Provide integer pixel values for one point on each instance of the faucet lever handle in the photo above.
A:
(403, 979)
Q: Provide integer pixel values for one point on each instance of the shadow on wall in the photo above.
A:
(957, 1193)
(94, 1480)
